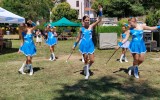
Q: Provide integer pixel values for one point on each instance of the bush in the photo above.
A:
(41, 26)
(122, 21)
(109, 29)
(152, 18)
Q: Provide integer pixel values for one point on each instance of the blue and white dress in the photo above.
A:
(51, 40)
(137, 44)
(126, 44)
(28, 48)
(86, 45)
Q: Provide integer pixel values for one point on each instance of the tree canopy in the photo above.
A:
(64, 10)
(33, 9)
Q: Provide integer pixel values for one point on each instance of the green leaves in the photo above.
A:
(64, 10)
(152, 18)
(32, 9)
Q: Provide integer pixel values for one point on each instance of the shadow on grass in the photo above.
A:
(8, 50)
(90, 71)
(121, 69)
(35, 69)
(108, 88)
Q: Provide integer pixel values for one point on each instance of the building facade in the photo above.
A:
(83, 7)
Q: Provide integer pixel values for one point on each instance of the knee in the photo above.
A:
(141, 60)
(91, 61)
(29, 59)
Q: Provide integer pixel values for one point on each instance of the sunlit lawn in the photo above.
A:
(58, 80)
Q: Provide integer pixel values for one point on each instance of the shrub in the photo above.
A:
(109, 29)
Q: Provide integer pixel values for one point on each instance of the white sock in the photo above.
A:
(50, 57)
(27, 67)
(22, 67)
(121, 57)
(53, 56)
(82, 58)
(31, 69)
(87, 72)
(125, 58)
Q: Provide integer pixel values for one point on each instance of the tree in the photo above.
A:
(64, 10)
(104, 3)
(119, 8)
(32, 9)
(152, 18)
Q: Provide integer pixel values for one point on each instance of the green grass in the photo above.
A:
(58, 80)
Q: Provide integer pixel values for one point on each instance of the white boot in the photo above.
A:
(87, 72)
(31, 69)
(120, 60)
(85, 69)
(125, 59)
(136, 72)
(82, 59)
(21, 70)
(53, 55)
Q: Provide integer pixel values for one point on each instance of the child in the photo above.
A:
(125, 45)
(86, 46)
(137, 46)
(28, 47)
(38, 37)
(51, 41)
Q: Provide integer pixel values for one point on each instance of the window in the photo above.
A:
(87, 3)
(77, 3)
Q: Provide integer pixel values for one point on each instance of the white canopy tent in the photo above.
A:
(9, 17)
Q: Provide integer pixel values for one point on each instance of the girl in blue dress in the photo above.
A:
(137, 46)
(51, 41)
(125, 45)
(28, 47)
(86, 46)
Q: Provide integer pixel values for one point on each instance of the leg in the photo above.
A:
(21, 70)
(82, 58)
(122, 55)
(53, 55)
(125, 58)
(91, 59)
(141, 59)
(86, 67)
(135, 64)
(30, 65)
(51, 50)
(135, 59)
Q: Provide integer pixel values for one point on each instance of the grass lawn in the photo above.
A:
(58, 80)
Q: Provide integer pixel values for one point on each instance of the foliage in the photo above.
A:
(31, 9)
(122, 21)
(103, 3)
(120, 8)
(152, 18)
(109, 29)
(64, 10)
(41, 26)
